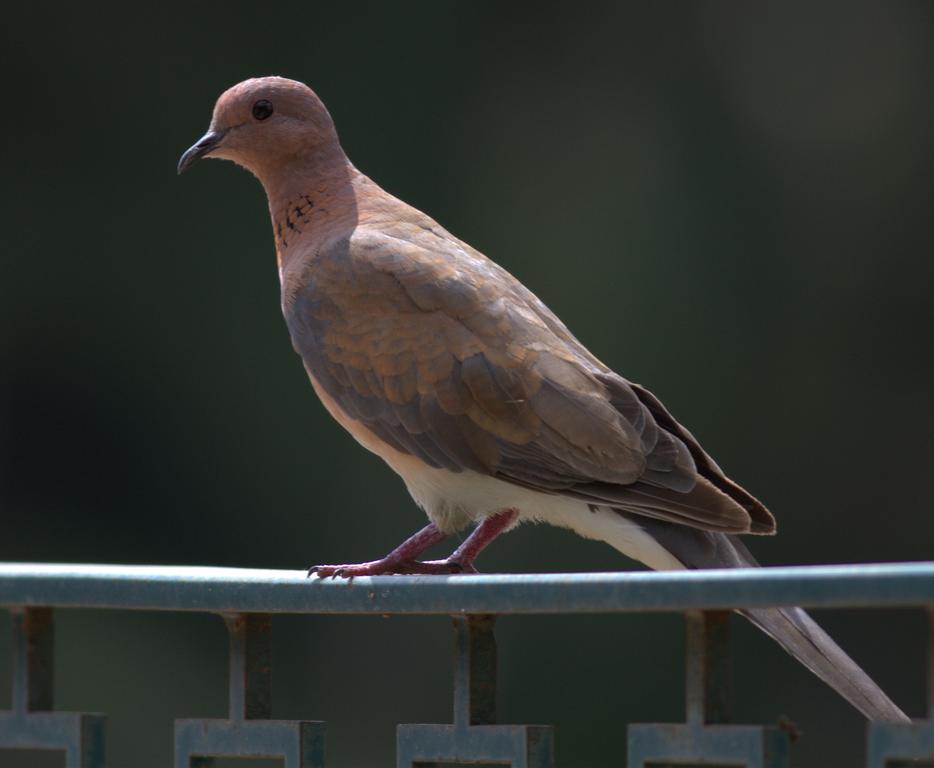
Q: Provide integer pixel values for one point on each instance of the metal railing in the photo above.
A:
(248, 598)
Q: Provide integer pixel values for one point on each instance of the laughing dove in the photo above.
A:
(442, 363)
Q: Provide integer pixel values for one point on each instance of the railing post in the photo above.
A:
(250, 661)
(474, 737)
(705, 737)
(32, 724)
(708, 681)
(248, 731)
(474, 671)
(930, 660)
(893, 744)
(33, 660)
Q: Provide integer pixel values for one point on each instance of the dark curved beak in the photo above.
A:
(199, 149)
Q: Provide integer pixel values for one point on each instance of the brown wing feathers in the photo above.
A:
(445, 365)
(761, 520)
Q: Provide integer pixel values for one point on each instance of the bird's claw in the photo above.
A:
(391, 568)
(349, 571)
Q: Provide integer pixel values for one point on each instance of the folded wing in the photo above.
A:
(445, 356)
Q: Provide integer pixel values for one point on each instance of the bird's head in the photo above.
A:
(266, 124)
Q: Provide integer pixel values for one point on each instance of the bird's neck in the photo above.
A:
(310, 202)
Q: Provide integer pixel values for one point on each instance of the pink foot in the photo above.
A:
(402, 559)
(391, 567)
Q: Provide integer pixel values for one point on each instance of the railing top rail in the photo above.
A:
(239, 590)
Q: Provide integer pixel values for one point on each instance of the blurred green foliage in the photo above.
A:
(729, 203)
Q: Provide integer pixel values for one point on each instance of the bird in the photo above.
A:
(438, 360)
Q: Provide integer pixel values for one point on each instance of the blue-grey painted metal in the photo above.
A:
(749, 746)
(232, 590)
(474, 670)
(248, 598)
(708, 676)
(474, 738)
(249, 732)
(299, 744)
(705, 739)
(31, 724)
(79, 736)
(897, 744)
(518, 746)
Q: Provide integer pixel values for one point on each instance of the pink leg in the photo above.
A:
(399, 560)
(462, 558)
(402, 558)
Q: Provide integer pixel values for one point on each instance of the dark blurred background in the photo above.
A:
(729, 203)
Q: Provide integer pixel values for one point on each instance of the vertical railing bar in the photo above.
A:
(33, 659)
(40, 649)
(250, 675)
(20, 663)
(694, 668)
(236, 677)
(707, 667)
(930, 660)
(474, 670)
(461, 672)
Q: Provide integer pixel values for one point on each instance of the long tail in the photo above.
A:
(791, 628)
(803, 638)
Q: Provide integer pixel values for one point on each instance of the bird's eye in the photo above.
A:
(262, 109)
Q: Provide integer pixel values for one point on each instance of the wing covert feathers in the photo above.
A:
(445, 356)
